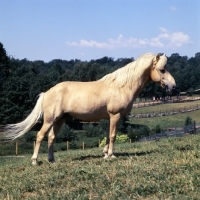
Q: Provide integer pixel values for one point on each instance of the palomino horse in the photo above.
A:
(110, 97)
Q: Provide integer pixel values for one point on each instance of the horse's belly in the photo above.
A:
(89, 116)
(88, 111)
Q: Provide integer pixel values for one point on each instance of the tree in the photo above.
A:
(4, 64)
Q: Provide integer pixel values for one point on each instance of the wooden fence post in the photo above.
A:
(83, 145)
(33, 145)
(67, 145)
(175, 131)
(16, 149)
(194, 127)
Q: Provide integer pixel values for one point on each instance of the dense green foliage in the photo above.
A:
(166, 169)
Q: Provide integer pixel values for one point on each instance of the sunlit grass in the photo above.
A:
(167, 169)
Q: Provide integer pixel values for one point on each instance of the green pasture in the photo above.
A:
(166, 169)
(176, 120)
(164, 107)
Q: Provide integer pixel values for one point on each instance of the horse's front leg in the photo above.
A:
(105, 149)
(114, 120)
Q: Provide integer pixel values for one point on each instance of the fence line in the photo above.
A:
(166, 112)
(174, 99)
(170, 132)
(173, 132)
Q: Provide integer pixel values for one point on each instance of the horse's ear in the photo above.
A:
(156, 59)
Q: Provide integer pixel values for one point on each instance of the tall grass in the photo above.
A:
(166, 169)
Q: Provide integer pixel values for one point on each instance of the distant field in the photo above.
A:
(166, 121)
(166, 169)
(164, 107)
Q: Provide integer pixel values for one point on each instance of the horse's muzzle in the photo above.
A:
(170, 87)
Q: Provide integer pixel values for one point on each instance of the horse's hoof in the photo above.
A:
(105, 156)
(34, 162)
(113, 156)
(53, 162)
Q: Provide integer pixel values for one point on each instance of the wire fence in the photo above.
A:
(143, 102)
(170, 132)
(173, 132)
(140, 102)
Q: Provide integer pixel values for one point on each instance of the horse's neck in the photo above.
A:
(139, 83)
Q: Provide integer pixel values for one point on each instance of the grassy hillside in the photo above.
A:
(166, 169)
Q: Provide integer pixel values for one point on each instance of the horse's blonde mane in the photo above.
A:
(128, 73)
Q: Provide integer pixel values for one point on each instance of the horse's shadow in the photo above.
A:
(124, 154)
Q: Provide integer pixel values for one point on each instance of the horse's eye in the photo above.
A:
(162, 71)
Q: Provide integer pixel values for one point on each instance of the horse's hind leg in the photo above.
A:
(52, 135)
(40, 135)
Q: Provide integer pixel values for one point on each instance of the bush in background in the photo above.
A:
(188, 121)
(119, 140)
(136, 133)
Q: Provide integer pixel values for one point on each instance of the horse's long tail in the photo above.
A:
(13, 131)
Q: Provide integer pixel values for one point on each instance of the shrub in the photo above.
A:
(136, 133)
(157, 129)
(119, 140)
(65, 134)
(92, 131)
(30, 136)
(188, 121)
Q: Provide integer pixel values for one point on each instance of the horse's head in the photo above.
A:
(160, 74)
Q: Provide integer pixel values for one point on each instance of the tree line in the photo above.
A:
(22, 80)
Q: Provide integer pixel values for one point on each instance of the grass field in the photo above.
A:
(166, 121)
(167, 106)
(167, 169)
